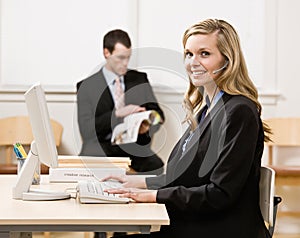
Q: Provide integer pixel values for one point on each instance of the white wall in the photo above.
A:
(288, 63)
(59, 43)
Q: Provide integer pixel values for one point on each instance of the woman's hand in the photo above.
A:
(129, 181)
(138, 195)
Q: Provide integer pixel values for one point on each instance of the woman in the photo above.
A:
(211, 185)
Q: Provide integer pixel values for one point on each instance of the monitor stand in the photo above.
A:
(22, 188)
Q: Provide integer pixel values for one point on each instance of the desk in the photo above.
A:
(70, 215)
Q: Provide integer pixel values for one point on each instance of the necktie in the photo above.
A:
(119, 94)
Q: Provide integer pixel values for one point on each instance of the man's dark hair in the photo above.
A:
(116, 36)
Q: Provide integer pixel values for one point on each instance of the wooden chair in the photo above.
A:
(286, 134)
(18, 129)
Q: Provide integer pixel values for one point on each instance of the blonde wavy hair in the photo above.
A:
(234, 80)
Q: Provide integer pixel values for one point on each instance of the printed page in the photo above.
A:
(127, 132)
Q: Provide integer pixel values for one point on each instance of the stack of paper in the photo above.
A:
(76, 168)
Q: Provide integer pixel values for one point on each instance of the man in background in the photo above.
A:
(101, 108)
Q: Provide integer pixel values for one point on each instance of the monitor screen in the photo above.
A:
(43, 148)
(41, 127)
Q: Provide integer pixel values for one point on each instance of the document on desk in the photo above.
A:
(77, 174)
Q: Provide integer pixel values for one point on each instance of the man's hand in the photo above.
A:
(129, 109)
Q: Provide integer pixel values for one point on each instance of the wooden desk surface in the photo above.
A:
(71, 212)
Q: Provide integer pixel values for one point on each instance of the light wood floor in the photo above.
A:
(288, 224)
(70, 235)
(63, 235)
(90, 235)
(286, 236)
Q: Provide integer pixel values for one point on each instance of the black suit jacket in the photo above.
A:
(96, 115)
(212, 189)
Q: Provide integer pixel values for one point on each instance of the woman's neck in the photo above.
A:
(212, 92)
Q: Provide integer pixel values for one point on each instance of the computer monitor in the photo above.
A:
(43, 148)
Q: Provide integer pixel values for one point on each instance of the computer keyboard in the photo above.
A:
(92, 191)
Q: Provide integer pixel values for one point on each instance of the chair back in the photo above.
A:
(285, 133)
(18, 129)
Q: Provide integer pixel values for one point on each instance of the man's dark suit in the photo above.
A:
(211, 190)
(96, 118)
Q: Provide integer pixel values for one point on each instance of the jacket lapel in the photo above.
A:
(187, 157)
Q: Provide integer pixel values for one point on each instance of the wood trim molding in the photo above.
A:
(67, 94)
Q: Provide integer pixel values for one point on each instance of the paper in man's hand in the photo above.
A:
(127, 132)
